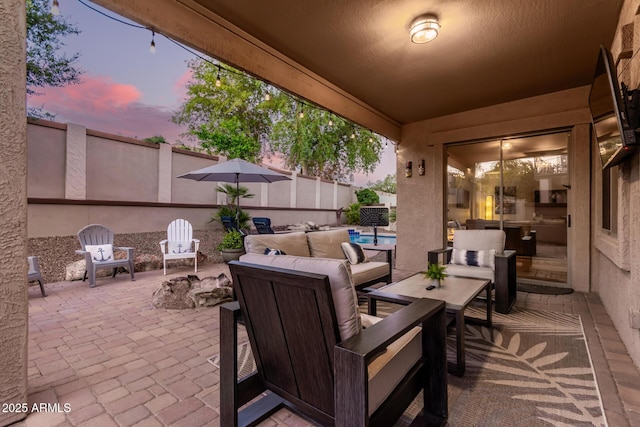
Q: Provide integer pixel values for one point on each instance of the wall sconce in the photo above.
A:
(488, 207)
(407, 170)
(421, 167)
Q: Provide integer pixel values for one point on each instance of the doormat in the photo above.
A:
(545, 290)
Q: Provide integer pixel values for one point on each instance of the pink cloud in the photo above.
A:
(180, 85)
(103, 105)
(94, 93)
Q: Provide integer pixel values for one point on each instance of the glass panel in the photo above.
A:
(524, 194)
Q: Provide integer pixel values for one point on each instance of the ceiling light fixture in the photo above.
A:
(55, 8)
(424, 29)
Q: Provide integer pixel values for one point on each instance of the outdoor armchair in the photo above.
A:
(179, 243)
(481, 254)
(314, 357)
(98, 251)
(34, 275)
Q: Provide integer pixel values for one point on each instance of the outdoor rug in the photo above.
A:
(533, 369)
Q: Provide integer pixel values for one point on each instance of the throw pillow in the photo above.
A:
(179, 247)
(269, 251)
(100, 253)
(482, 258)
(353, 252)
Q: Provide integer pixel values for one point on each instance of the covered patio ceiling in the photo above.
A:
(487, 52)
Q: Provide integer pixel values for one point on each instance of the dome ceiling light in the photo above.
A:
(424, 29)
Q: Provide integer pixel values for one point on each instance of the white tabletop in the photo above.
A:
(457, 292)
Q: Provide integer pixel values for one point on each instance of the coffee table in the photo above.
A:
(457, 292)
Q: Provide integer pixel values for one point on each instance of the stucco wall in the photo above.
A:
(13, 225)
(46, 161)
(615, 268)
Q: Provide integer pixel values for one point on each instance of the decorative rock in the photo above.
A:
(173, 294)
(190, 292)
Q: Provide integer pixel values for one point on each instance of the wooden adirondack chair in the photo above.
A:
(179, 243)
(97, 248)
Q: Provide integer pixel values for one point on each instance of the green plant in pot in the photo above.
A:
(232, 246)
(436, 272)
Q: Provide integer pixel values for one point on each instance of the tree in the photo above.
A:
(46, 64)
(231, 118)
(388, 184)
(236, 119)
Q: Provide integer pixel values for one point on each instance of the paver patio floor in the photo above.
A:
(117, 361)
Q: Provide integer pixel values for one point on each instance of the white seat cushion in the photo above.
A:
(387, 370)
(366, 271)
(470, 271)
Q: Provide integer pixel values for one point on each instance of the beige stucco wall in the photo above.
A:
(306, 192)
(421, 198)
(13, 209)
(615, 267)
(46, 161)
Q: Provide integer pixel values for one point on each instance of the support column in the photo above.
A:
(294, 184)
(264, 194)
(13, 210)
(75, 178)
(165, 170)
(318, 190)
(335, 194)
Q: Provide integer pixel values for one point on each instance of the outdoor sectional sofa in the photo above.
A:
(320, 244)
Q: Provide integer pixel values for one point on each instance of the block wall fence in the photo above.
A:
(77, 176)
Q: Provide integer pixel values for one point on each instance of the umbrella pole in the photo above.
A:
(238, 201)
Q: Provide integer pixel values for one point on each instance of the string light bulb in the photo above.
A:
(55, 8)
(353, 135)
(370, 139)
(301, 114)
(218, 81)
(330, 122)
(152, 47)
(267, 97)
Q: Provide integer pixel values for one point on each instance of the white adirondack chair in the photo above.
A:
(178, 244)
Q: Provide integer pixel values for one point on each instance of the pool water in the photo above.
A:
(368, 239)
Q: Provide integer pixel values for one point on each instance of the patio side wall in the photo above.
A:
(615, 266)
(13, 226)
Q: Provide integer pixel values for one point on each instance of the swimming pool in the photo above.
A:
(368, 239)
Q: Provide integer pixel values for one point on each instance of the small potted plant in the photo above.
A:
(436, 272)
(232, 246)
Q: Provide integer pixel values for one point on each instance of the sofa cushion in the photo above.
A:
(470, 271)
(387, 370)
(344, 295)
(326, 244)
(291, 243)
(476, 240)
(353, 252)
(365, 272)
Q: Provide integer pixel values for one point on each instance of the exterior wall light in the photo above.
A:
(424, 29)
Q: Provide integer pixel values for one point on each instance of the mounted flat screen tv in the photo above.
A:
(614, 134)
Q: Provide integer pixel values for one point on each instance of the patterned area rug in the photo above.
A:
(532, 369)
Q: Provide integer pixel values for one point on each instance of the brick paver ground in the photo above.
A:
(116, 361)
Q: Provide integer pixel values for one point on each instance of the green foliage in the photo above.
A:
(389, 184)
(231, 240)
(235, 120)
(353, 214)
(393, 214)
(233, 194)
(367, 196)
(46, 65)
(156, 139)
(436, 271)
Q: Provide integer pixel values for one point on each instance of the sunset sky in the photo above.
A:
(125, 89)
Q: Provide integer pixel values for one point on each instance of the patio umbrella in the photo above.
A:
(235, 170)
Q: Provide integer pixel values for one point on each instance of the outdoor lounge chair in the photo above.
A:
(313, 357)
(98, 251)
(229, 223)
(179, 243)
(473, 259)
(263, 225)
(34, 275)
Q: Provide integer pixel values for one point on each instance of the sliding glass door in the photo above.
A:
(518, 185)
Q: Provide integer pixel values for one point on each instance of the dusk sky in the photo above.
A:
(125, 89)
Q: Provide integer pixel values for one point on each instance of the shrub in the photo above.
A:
(231, 240)
(353, 214)
(367, 196)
